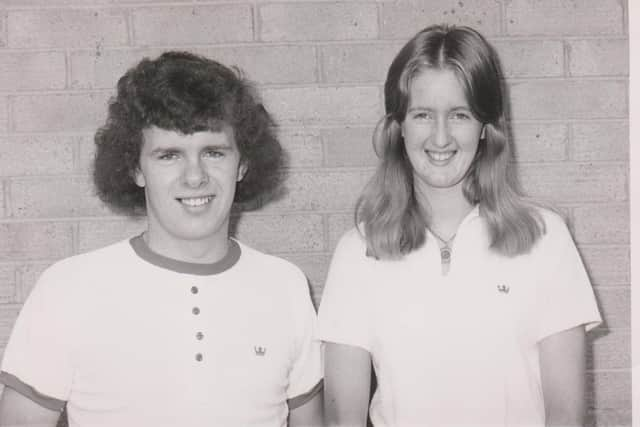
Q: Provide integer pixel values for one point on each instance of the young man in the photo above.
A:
(180, 326)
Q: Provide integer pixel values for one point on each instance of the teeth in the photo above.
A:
(441, 156)
(196, 201)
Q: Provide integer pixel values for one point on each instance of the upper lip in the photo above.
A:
(204, 196)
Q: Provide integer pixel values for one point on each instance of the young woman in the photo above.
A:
(470, 303)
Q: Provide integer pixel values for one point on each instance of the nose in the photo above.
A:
(441, 133)
(195, 175)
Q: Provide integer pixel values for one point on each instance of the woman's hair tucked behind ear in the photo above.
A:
(388, 212)
(185, 93)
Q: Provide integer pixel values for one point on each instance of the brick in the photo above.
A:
(3, 213)
(8, 283)
(607, 265)
(404, 19)
(102, 69)
(99, 233)
(531, 58)
(349, 146)
(74, 197)
(29, 274)
(32, 70)
(3, 32)
(602, 141)
(537, 142)
(615, 306)
(610, 350)
(4, 114)
(598, 57)
(273, 233)
(318, 21)
(60, 112)
(601, 223)
(315, 267)
(324, 105)
(338, 225)
(575, 182)
(36, 154)
(608, 418)
(68, 28)
(303, 147)
(588, 17)
(271, 64)
(611, 390)
(568, 99)
(35, 240)
(84, 159)
(198, 24)
(8, 316)
(322, 190)
(357, 62)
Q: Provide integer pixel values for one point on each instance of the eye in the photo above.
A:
(168, 155)
(213, 154)
(460, 115)
(422, 115)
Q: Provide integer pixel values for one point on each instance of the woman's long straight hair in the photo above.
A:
(388, 212)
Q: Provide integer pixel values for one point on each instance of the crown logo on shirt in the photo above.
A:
(259, 350)
(503, 288)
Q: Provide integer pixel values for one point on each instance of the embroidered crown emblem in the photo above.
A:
(503, 288)
(259, 350)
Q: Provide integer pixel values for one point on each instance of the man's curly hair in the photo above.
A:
(187, 93)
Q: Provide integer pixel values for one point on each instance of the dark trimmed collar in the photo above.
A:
(229, 260)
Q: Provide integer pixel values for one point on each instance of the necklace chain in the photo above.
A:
(445, 251)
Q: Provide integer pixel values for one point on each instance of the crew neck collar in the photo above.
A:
(232, 256)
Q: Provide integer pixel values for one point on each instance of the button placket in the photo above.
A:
(195, 312)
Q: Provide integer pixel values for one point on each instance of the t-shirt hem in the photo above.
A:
(588, 325)
(31, 393)
(296, 402)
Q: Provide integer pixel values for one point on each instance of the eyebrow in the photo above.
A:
(423, 108)
(180, 148)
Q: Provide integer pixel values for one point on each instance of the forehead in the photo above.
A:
(155, 137)
(432, 88)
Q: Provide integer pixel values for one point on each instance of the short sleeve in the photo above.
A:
(565, 295)
(305, 375)
(37, 359)
(344, 315)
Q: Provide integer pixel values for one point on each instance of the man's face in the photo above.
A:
(189, 183)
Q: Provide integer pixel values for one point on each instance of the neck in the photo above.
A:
(203, 251)
(446, 209)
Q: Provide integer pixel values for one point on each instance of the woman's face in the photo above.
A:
(440, 133)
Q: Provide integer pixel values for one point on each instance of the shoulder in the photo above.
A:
(256, 263)
(352, 242)
(79, 268)
(556, 238)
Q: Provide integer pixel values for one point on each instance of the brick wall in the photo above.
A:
(320, 66)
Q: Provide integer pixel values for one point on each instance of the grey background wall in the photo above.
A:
(320, 66)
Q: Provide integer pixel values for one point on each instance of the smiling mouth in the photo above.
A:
(440, 156)
(195, 201)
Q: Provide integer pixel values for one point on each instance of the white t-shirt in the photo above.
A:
(126, 337)
(459, 349)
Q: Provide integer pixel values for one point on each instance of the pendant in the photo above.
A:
(445, 254)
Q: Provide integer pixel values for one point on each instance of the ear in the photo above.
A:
(242, 170)
(483, 132)
(138, 177)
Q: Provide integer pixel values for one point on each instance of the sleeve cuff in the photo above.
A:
(296, 402)
(31, 393)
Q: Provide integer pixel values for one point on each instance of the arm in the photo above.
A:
(562, 367)
(347, 384)
(17, 410)
(309, 414)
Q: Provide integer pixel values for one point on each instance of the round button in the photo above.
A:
(199, 335)
(194, 289)
(199, 357)
(195, 310)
